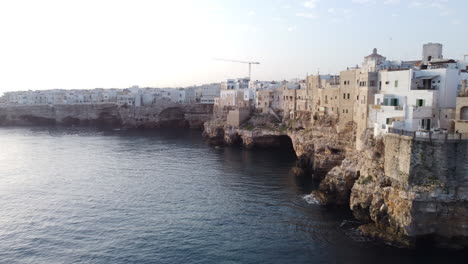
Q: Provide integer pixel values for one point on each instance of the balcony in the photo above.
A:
(425, 83)
(389, 107)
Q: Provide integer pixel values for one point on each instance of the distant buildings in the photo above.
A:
(133, 96)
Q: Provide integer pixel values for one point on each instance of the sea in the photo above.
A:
(82, 195)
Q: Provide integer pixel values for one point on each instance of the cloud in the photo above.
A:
(362, 2)
(340, 13)
(446, 12)
(415, 4)
(437, 5)
(440, 5)
(392, 2)
(311, 3)
(247, 28)
(291, 28)
(251, 13)
(307, 15)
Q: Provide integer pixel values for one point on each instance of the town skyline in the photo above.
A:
(54, 45)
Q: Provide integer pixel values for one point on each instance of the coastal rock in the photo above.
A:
(108, 115)
(404, 190)
(421, 186)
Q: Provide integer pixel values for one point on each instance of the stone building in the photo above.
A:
(461, 114)
(264, 100)
(349, 84)
(289, 94)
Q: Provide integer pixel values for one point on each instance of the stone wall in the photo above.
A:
(424, 186)
(238, 116)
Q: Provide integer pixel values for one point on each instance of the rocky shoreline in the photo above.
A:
(405, 192)
(164, 115)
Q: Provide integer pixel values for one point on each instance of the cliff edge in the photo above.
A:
(405, 191)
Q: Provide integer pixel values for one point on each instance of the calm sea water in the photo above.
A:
(89, 196)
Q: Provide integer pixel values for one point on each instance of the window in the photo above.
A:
(396, 83)
(464, 113)
(348, 96)
(357, 98)
(344, 96)
(371, 83)
(419, 102)
(388, 121)
(387, 82)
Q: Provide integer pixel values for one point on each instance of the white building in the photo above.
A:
(418, 99)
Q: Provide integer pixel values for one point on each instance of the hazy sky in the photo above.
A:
(118, 43)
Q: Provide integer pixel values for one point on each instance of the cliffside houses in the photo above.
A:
(133, 96)
(380, 96)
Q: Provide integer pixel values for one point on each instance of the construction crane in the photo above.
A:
(245, 62)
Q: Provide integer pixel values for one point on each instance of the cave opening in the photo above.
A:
(282, 144)
(286, 144)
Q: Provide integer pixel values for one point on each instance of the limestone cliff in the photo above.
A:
(158, 115)
(421, 191)
(403, 190)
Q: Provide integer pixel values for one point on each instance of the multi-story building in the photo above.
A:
(461, 114)
(419, 98)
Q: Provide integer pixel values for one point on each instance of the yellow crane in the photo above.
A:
(245, 62)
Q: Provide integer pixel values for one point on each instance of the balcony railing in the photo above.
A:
(430, 135)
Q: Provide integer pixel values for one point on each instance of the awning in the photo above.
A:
(427, 77)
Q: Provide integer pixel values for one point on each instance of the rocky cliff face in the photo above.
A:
(419, 193)
(403, 190)
(318, 148)
(159, 115)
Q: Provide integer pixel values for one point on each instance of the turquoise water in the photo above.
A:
(90, 196)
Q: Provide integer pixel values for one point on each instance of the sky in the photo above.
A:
(85, 44)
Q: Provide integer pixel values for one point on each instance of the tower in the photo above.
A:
(431, 51)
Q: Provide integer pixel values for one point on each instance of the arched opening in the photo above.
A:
(282, 143)
(464, 113)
